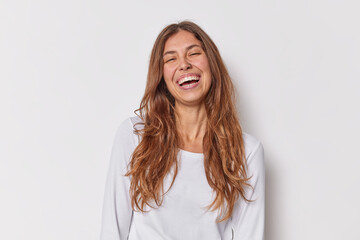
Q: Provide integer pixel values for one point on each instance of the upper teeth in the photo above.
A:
(190, 78)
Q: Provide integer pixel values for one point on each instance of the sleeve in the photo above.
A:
(117, 211)
(249, 217)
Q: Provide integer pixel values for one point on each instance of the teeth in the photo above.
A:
(189, 85)
(190, 78)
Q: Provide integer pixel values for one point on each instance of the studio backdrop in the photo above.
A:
(72, 71)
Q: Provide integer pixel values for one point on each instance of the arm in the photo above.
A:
(249, 218)
(117, 211)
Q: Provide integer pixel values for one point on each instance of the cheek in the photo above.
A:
(203, 64)
(205, 67)
(167, 73)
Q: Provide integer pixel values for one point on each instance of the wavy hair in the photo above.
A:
(223, 144)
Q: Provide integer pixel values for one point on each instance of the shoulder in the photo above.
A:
(125, 132)
(254, 150)
(136, 122)
(130, 124)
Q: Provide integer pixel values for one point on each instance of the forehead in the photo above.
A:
(180, 41)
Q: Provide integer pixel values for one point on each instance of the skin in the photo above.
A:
(183, 54)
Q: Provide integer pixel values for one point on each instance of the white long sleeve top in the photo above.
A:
(183, 215)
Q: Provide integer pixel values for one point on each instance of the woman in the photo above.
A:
(183, 168)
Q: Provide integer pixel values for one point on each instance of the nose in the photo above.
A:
(184, 64)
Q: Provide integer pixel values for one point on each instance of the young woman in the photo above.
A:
(183, 168)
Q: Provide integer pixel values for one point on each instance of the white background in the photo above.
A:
(72, 70)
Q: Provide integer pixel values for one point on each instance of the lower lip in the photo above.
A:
(190, 86)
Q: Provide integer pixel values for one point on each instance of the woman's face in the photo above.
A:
(186, 69)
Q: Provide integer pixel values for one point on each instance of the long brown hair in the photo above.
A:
(223, 144)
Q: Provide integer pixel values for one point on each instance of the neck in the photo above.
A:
(191, 123)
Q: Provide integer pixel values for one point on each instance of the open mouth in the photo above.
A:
(188, 80)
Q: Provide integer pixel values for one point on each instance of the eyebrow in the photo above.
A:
(187, 49)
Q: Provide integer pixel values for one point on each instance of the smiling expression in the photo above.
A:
(186, 69)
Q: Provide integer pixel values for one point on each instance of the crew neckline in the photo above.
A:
(191, 154)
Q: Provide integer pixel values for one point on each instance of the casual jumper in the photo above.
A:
(183, 215)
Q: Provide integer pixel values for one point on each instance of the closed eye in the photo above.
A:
(194, 54)
(169, 60)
